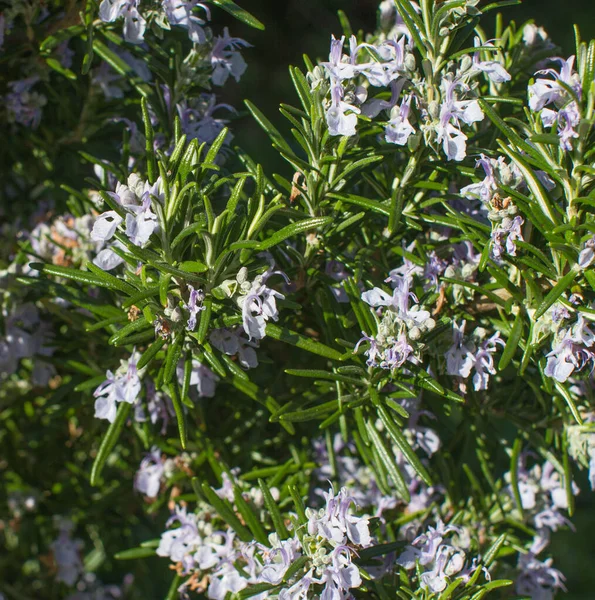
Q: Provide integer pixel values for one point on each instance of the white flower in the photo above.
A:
(124, 386)
(340, 123)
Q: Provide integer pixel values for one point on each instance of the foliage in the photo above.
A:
(368, 379)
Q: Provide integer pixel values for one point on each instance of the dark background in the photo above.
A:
(295, 27)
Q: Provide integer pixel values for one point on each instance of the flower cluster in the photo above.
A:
(330, 541)
(563, 91)
(401, 325)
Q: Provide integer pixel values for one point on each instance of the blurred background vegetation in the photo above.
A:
(295, 27)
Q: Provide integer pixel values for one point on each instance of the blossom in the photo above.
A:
(200, 376)
(492, 68)
(226, 59)
(197, 118)
(105, 226)
(336, 67)
(141, 221)
(548, 91)
(178, 543)
(134, 23)
(452, 111)
(336, 524)
(570, 351)
(150, 473)
(474, 354)
(538, 579)
(459, 358)
(340, 123)
(398, 129)
(506, 234)
(259, 305)
(181, 13)
(23, 105)
(231, 342)
(194, 306)
(123, 386)
(66, 552)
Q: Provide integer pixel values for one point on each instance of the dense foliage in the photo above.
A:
(370, 377)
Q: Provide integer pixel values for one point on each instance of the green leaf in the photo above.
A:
(249, 517)
(216, 146)
(174, 352)
(205, 319)
(150, 353)
(273, 510)
(226, 512)
(560, 287)
(193, 266)
(239, 13)
(513, 341)
(109, 441)
(255, 590)
(294, 229)
(269, 128)
(300, 341)
(134, 553)
(57, 66)
(403, 445)
(138, 325)
(319, 374)
(174, 394)
(76, 275)
(389, 462)
(492, 552)
(363, 202)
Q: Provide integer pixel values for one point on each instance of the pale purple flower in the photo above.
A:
(278, 558)
(150, 474)
(587, 254)
(424, 548)
(259, 305)
(538, 579)
(123, 386)
(340, 123)
(65, 54)
(105, 77)
(459, 358)
(399, 301)
(505, 235)
(226, 59)
(484, 362)
(484, 190)
(105, 226)
(179, 543)
(181, 13)
(548, 91)
(225, 579)
(231, 342)
(24, 105)
(452, 112)
(433, 268)
(337, 524)
(398, 129)
(198, 120)
(200, 376)
(571, 351)
(67, 555)
(492, 68)
(194, 306)
(373, 352)
(134, 23)
(337, 68)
